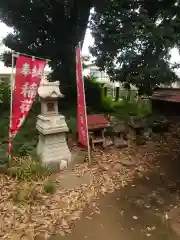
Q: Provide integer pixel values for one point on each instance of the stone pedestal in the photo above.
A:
(52, 147)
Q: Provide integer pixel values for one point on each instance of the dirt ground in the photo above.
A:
(140, 210)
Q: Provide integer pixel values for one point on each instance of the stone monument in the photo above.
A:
(52, 147)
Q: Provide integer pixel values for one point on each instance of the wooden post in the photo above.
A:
(117, 94)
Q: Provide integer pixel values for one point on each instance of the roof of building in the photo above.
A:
(166, 94)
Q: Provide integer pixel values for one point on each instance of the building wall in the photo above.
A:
(93, 71)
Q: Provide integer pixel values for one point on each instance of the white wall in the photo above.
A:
(93, 70)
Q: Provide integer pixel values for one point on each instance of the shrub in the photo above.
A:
(26, 140)
(4, 160)
(49, 187)
(4, 97)
(93, 94)
(126, 106)
(25, 169)
(72, 124)
(26, 193)
(107, 105)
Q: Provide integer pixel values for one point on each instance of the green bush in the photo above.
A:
(26, 193)
(107, 105)
(126, 106)
(26, 169)
(72, 124)
(26, 140)
(4, 98)
(49, 187)
(93, 95)
(4, 160)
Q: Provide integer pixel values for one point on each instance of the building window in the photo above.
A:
(94, 73)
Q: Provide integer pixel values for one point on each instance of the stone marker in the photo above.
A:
(120, 143)
(52, 147)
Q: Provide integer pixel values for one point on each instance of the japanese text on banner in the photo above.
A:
(27, 79)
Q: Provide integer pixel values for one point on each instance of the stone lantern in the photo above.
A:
(52, 147)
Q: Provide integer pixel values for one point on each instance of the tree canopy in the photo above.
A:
(133, 39)
(49, 29)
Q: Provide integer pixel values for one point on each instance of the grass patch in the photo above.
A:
(49, 187)
(27, 169)
(26, 140)
(125, 108)
(26, 193)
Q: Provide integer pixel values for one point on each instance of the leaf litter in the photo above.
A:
(56, 214)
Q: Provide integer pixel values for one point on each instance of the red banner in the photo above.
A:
(81, 105)
(27, 79)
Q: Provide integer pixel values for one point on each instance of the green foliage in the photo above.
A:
(26, 140)
(4, 97)
(49, 187)
(128, 95)
(126, 106)
(93, 94)
(50, 29)
(26, 193)
(27, 169)
(4, 160)
(4, 163)
(108, 104)
(133, 39)
(72, 124)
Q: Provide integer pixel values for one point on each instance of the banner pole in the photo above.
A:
(88, 145)
(11, 102)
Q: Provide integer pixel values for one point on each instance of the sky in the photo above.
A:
(88, 41)
(4, 30)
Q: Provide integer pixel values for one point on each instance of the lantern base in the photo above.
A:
(53, 151)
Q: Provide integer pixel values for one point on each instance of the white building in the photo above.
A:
(90, 69)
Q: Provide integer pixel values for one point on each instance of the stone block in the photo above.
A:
(52, 146)
(120, 143)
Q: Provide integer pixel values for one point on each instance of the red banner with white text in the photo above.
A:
(27, 79)
(81, 105)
